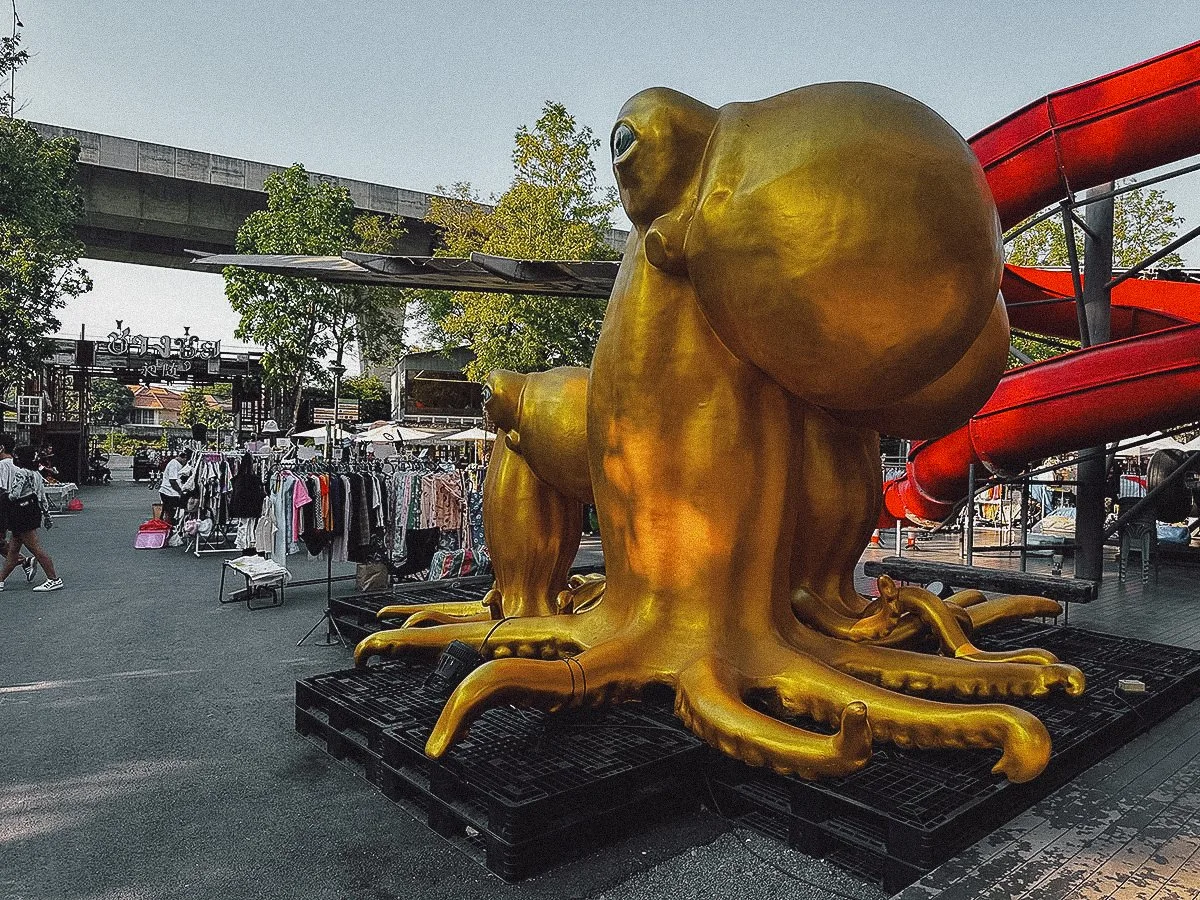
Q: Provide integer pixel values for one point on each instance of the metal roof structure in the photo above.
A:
(480, 272)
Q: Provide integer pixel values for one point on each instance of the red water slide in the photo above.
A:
(1138, 118)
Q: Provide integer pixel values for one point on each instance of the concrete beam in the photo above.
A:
(146, 203)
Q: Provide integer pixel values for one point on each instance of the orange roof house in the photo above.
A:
(159, 406)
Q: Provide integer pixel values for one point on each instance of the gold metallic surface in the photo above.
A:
(533, 540)
(803, 270)
(545, 415)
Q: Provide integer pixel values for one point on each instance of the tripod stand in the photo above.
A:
(331, 625)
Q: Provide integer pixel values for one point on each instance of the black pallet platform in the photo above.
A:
(522, 789)
(356, 613)
(911, 810)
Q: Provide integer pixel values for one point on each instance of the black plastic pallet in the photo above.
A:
(517, 775)
(521, 789)
(356, 613)
(465, 825)
(910, 810)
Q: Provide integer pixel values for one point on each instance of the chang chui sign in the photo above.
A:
(165, 356)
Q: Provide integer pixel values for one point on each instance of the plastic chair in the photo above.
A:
(1139, 536)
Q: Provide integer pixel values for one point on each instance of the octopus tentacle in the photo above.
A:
(922, 672)
(593, 678)
(879, 618)
(948, 630)
(547, 636)
(457, 609)
(425, 617)
(709, 702)
(966, 598)
(912, 721)
(583, 592)
(1016, 606)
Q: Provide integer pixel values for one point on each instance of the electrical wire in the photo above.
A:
(1145, 723)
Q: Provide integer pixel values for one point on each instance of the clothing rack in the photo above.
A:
(320, 466)
(219, 539)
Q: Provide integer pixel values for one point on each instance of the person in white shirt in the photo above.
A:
(171, 491)
(23, 483)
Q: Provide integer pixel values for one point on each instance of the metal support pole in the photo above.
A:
(1096, 311)
(899, 542)
(970, 513)
(1025, 524)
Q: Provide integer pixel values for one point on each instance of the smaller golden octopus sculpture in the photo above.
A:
(804, 272)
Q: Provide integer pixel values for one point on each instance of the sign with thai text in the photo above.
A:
(164, 347)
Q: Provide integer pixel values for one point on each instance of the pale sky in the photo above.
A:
(417, 94)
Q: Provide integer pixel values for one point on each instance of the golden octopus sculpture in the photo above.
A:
(804, 272)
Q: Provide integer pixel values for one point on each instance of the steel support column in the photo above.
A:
(1096, 311)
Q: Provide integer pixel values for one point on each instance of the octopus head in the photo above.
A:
(502, 392)
(841, 237)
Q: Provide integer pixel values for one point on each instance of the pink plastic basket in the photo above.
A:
(150, 540)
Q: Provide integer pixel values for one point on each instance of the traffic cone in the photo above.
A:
(875, 542)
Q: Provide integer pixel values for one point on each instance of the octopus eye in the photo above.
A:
(622, 139)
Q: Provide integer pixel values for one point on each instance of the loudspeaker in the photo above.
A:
(199, 431)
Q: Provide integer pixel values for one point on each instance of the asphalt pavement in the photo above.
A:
(148, 750)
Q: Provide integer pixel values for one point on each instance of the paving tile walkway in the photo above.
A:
(1129, 827)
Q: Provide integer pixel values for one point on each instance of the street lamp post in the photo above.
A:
(338, 371)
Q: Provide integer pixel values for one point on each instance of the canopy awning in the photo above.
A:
(471, 434)
(481, 272)
(320, 433)
(390, 433)
(1147, 449)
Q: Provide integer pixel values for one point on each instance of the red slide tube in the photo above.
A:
(1081, 399)
(1140, 117)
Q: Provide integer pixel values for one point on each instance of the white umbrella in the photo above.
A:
(389, 433)
(471, 434)
(319, 434)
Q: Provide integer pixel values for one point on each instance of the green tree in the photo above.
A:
(364, 387)
(40, 206)
(199, 407)
(109, 402)
(552, 210)
(12, 57)
(300, 322)
(1144, 221)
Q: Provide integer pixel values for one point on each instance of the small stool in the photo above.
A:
(259, 576)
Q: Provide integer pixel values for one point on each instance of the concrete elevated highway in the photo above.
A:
(145, 203)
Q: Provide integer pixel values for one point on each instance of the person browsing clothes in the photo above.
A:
(172, 491)
(26, 511)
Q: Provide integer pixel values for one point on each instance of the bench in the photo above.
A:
(952, 575)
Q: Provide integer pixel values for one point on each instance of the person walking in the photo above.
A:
(27, 510)
(27, 563)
